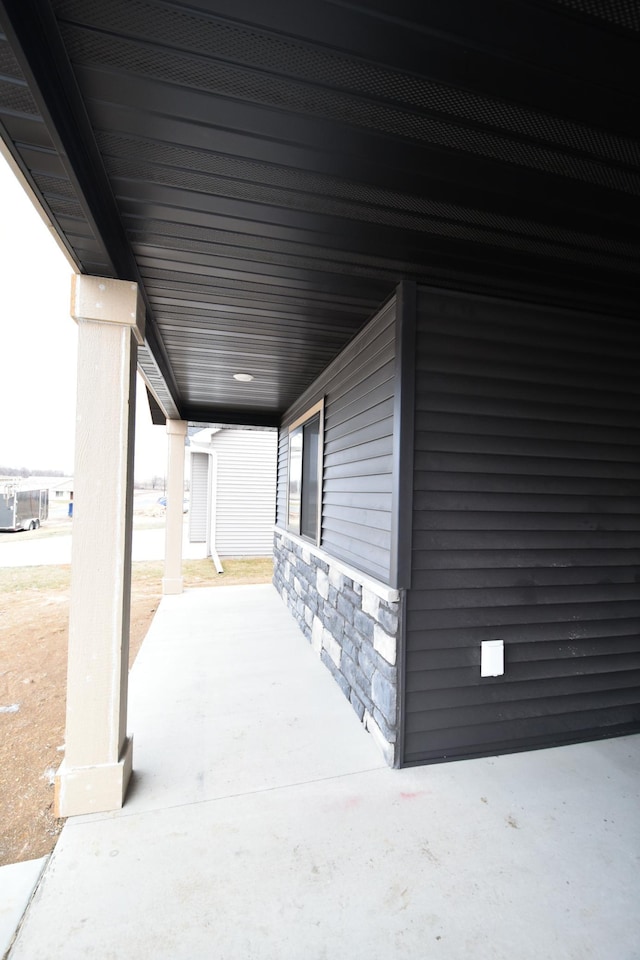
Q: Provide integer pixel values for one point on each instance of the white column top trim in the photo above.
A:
(103, 300)
(177, 428)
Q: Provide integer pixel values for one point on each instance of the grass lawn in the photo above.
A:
(197, 573)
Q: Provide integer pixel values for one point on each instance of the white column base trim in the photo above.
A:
(172, 585)
(95, 789)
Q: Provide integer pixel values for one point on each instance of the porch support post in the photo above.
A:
(97, 765)
(172, 581)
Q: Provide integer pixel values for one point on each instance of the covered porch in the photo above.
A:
(240, 188)
(262, 822)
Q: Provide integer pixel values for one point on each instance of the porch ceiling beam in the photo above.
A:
(249, 417)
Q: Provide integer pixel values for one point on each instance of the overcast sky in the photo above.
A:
(38, 348)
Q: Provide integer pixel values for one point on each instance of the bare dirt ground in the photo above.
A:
(34, 603)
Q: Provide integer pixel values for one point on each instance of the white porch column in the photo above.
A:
(172, 581)
(97, 764)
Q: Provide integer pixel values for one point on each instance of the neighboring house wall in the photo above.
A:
(246, 492)
(526, 507)
(199, 506)
(233, 491)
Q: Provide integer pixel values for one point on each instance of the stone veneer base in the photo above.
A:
(352, 623)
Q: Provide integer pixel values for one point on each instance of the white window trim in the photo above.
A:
(308, 414)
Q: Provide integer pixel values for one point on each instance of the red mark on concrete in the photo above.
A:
(412, 796)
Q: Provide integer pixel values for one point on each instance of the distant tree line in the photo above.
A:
(23, 472)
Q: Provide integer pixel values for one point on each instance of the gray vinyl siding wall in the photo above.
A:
(526, 528)
(358, 388)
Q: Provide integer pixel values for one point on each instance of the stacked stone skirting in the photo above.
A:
(351, 626)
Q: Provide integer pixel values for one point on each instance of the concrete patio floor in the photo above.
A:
(262, 824)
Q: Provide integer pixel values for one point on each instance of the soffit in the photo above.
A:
(270, 171)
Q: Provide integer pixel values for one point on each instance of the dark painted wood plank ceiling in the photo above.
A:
(270, 171)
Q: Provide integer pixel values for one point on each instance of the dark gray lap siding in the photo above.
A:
(526, 520)
(358, 389)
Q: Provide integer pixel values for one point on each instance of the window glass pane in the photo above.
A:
(310, 486)
(295, 479)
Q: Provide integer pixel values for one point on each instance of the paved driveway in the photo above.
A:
(19, 551)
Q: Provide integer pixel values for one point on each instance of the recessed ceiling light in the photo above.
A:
(244, 377)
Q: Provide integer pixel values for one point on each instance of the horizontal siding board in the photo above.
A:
(460, 618)
(449, 717)
(561, 632)
(377, 519)
(378, 484)
(535, 360)
(513, 428)
(364, 501)
(377, 421)
(369, 466)
(511, 696)
(345, 370)
(516, 329)
(447, 461)
(444, 304)
(479, 578)
(369, 352)
(471, 520)
(370, 535)
(606, 649)
(532, 408)
(520, 559)
(615, 639)
(380, 449)
(457, 598)
(607, 637)
(528, 539)
(372, 377)
(609, 406)
(349, 550)
(532, 327)
(513, 483)
(505, 736)
(540, 375)
(466, 675)
(358, 400)
(526, 528)
(473, 501)
(525, 446)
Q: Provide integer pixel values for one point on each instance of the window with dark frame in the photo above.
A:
(305, 480)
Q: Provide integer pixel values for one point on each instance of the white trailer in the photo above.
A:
(22, 509)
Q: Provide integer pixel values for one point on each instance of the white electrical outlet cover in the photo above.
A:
(492, 658)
